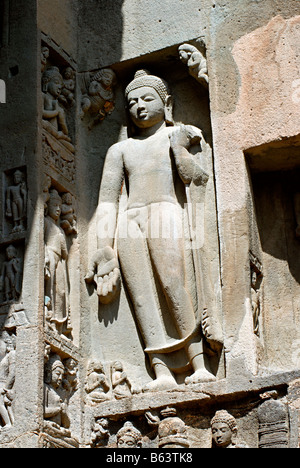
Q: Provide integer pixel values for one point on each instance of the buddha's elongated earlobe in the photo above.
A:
(169, 104)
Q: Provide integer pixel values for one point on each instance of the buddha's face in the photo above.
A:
(146, 107)
(222, 434)
(127, 441)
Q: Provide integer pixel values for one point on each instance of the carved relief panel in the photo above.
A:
(58, 87)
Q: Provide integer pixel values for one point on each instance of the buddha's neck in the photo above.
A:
(148, 132)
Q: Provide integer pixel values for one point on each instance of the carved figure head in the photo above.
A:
(54, 205)
(54, 371)
(52, 82)
(11, 252)
(106, 77)
(67, 198)
(18, 177)
(148, 99)
(224, 429)
(129, 437)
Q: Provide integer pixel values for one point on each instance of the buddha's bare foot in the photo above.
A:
(200, 376)
(161, 384)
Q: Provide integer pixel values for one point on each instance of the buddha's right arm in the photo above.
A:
(108, 207)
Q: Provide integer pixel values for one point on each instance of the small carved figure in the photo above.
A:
(129, 437)
(98, 94)
(256, 282)
(55, 408)
(100, 433)
(121, 385)
(56, 274)
(68, 90)
(196, 61)
(224, 431)
(54, 119)
(7, 381)
(70, 382)
(97, 385)
(48, 315)
(11, 274)
(44, 57)
(68, 218)
(16, 202)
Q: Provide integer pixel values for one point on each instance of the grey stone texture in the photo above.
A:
(123, 117)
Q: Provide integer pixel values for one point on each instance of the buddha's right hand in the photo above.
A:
(104, 271)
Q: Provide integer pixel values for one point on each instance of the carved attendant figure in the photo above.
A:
(16, 202)
(11, 273)
(56, 281)
(150, 162)
(55, 409)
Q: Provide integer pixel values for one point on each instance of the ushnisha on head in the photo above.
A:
(144, 81)
(129, 437)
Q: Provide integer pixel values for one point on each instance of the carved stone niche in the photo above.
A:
(11, 272)
(15, 203)
(58, 121)
(274, 171)
(125, 288)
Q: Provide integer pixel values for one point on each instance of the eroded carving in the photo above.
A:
(67, 96)
(98, 95)
(273, 423)
(256, 293)
(149, 171)
(100, 433)
(68, 217)
(7, 378)
(196, 61)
